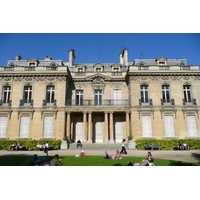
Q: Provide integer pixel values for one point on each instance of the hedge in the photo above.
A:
(167, 144)
(30, 144)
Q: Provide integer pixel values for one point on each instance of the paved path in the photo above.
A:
(187, 156)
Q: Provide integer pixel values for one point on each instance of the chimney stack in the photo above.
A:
(124, 57)
(72, 57)
(18, 57)
(47, 58)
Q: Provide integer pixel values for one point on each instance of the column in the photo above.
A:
(111, 127)
(106, 126)
(127, 125)
(89, 126)
(85, 126)
(68, 125)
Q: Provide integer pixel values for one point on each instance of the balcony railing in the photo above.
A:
(106, 102)
(47, 102)
(145, 102)
(3, 103)
(167, 102)
(24, 102)
(189, 102)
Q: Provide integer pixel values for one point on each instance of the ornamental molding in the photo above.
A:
(32, 78)
(98, 83)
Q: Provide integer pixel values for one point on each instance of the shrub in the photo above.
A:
(30, 144)
(168, 144)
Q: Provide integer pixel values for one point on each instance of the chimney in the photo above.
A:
(72, 57)
(18, 57)
(124, 57)
(47, 58)
(120, 58)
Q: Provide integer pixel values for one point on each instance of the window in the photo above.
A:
(117, 97)
(48, 126)
(79, 97)
(161, 63)
(187, 93)
(3, 126)
(169, 125)
(98, 97)
(31, 64)
(27, 94)
(24, 127)
(98, 70)
(192, 126)
(6, 94)
(50, 94)
(146, 126)
(165, 93)
(144, 93)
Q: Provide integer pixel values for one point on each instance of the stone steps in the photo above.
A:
(95, 146)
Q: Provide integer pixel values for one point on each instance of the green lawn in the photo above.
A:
(88, 161)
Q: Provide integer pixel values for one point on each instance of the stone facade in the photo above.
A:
(100, 102)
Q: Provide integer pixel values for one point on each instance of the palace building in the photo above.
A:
(99, 102)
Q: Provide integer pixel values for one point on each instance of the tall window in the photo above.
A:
(165, 93)
(3, 126)
(146, 126)
(192, 126)
(24, 127)
(79, 97)
(48, 126)
(50, 94)
(6, 94)
(27, 94)
(98, 97)
(144, 93)
(117, 97)
(169, 125)
(187, 93)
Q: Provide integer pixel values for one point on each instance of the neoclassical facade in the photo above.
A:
(99, 102)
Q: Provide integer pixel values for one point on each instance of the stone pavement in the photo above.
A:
(187, 156)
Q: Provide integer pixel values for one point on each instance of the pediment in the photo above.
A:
(32, 60)
(98, 77)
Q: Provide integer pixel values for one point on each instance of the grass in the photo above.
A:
(88, 161)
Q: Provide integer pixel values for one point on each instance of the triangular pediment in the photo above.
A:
(98, 76)
(32, 60)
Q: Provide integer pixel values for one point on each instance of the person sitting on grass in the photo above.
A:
(117, 155)
(107, 156)
(82, 154)
(148, 160)
(185, 146)
(56, 161)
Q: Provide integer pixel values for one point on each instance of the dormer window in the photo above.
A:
(31, 64)
(98, 67)
(161, 61)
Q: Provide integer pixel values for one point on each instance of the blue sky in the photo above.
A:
(103, 47)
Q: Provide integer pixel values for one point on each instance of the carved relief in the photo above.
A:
(98, 83)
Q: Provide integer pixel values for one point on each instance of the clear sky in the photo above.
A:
(103, 47)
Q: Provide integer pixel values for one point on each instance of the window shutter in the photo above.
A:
(146, 126)
(3, 126)
(48, 126)
(24, 127)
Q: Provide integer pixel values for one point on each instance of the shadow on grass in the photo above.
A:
(196, 156)
(180, 163)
